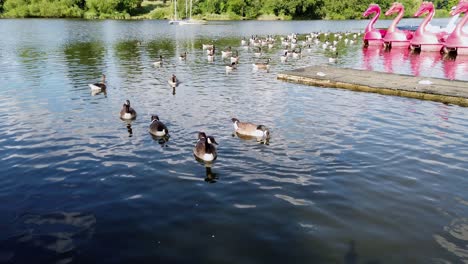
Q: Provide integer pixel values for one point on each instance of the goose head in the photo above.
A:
(127, 106)
(154, 117)
(201, 135)
(264, 131)
(211, 140)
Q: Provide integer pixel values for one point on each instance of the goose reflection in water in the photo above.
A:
(98, 92)
(211, 177)
(129, 129)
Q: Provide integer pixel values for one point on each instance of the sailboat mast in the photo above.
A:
(190, 9)
(186, 9)
(175, 10)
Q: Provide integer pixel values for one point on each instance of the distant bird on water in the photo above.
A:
(99, 86)
(127, 112)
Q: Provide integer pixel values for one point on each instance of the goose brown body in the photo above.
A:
(250, 129)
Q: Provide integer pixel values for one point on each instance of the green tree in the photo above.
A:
(237, 7)
(16, 8)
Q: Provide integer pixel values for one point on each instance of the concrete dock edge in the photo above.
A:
(432, 89)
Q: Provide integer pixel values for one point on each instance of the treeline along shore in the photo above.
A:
(206, 9)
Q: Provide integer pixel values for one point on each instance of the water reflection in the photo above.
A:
(158, 47)
(455, 67)
(456, 235)
(98, 92)
(371, 55)
(211, 177)
(48, 238)
(129, 127)
(351, 256)
(129, 54)
(395, 57)
(84, 61)
(421, 61)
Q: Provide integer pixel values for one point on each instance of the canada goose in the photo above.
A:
(207, 46)
(127, 112)
(243, 42)
(235, 58)
(332, 59)
(173, 82)
(231, 66)
(227, 52)
(297, 53)
(158, 62)
(249, 129)
(211, 53)
(211, 50)
(258, 53)
(205, 149)
(284, 58)
(262, 65)
(183, 56)
(99, 86)
(157, 128)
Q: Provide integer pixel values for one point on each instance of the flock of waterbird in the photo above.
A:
(292, 47)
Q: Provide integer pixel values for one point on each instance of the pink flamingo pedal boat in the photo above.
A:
(457, 41)
(394, 36)
(373, 36)
(424, 39)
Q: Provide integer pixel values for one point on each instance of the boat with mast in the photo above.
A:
(174, 20)
(185, 21)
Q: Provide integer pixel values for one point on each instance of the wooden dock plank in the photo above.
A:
(425, 88)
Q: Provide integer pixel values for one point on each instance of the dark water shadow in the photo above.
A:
(211, 177)
(161, 140)
(352, 256)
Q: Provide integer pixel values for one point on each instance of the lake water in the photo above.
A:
(347, 177)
